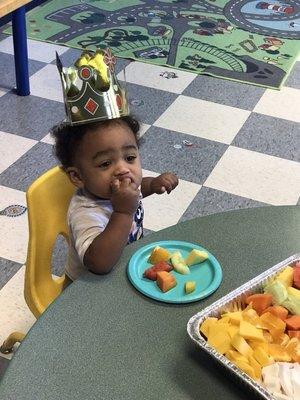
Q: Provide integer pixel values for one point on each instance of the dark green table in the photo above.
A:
(101, 339)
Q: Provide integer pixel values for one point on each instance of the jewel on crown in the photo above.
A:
(91, 90)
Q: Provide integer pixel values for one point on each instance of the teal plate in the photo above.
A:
(208, 274)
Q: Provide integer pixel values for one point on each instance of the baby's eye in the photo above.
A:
(130, 158)
(105, 164)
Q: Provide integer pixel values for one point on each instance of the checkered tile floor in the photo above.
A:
(232, 146)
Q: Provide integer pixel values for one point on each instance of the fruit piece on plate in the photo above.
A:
(286, 276)
(293, 349)
(278, 292)
(196, 257)
(189, 287)
(151, 273)
(159, 254)
(260, 301)
(165, 281)
(256, 367)
(179, 264)
(235, 317)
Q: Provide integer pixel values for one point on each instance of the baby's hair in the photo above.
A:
(68, 137)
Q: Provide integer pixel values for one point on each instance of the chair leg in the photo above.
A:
(8, 344)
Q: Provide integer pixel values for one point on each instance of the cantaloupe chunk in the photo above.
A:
(293, 322)
(278, 311)
(159, 254)
(165, 281)
(260, 301)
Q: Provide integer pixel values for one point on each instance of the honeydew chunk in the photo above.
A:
(196, 257)
(220, 341)
(262, 357)
(294, 292)
(286, 276)
(248, 331)
(179, 264)
(285, 378)
(270, 374)
(240, 344)
(278, 291)
(189, 287)
(244, 366)
(292, 304)
(206, 324)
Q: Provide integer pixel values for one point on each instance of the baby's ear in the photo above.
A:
(75, 176)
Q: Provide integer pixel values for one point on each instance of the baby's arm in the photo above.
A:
(106, 249)
(165, 182)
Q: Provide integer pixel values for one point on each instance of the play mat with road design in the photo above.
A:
(250, 41)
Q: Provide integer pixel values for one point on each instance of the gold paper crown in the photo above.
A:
(91, 89)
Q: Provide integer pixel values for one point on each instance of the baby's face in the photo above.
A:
(106, 154)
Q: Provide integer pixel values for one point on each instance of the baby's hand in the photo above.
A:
(165, 182)
(125, 196)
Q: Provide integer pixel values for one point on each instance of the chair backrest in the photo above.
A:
(48, 200)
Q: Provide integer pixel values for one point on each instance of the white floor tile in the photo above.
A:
(2, 92)
(203, 119)
(39, 51)
(14, 231)
(143, 129)
(162, 211)
(283, 104)
(46, 83)
(257, 176)
(48, 139)
(150, 75)
(14, 312)
(18, 144)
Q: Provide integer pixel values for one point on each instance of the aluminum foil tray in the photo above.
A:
(232, 302)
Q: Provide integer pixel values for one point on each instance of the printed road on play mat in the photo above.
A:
(249, 41)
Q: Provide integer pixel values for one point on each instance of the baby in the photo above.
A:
(102, 160)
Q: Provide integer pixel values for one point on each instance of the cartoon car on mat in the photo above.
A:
(279, 8)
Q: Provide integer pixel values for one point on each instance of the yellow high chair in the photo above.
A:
(48, 200)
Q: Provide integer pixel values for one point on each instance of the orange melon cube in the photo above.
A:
(165, 281)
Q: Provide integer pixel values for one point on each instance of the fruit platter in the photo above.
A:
(254, 331)
(174, 271)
